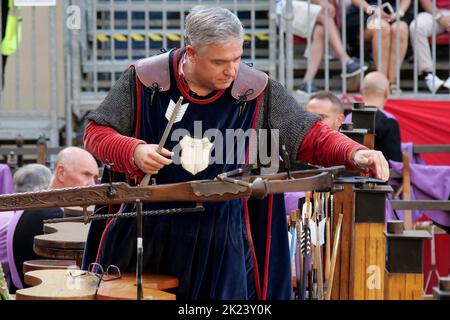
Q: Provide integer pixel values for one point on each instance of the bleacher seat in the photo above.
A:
(441, 39)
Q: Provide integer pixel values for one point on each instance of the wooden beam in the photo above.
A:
(421, 204)
(26, 151)
(431, 148)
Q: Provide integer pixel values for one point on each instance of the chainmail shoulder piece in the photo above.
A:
(285, 114)
(116, 109)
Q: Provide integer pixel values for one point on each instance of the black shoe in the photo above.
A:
(304, 87)
(353, 67)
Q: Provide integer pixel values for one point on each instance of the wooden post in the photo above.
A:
(369, 140)
(369, 246)
(19, 143)
(337, 237)
(407, 216)
(343, 204)
(363, 117)
(41, 146)
(404, 262)
(357, 135)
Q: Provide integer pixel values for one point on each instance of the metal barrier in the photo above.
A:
(121, 32)
(67, 65)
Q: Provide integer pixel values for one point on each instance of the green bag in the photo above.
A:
(13, 32)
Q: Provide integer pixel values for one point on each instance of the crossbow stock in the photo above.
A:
(232, 185)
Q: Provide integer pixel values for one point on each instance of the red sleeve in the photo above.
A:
(107, 145)
(326, 147)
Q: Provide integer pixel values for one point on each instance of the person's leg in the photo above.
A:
(372, 36)
(419, 40)
(316, 53)
(402, 29)
(334, 38)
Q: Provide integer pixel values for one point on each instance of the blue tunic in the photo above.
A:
(210, 252)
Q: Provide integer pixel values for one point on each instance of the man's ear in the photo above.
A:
(60, 173)
(340, 118)
(191, 53)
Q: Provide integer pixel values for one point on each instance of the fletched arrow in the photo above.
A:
(175, 112)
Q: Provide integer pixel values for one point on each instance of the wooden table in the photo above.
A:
(77, 211)
(60, 285)
(63, 240)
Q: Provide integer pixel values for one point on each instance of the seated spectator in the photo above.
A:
(31, 178)
(388, 25)
(427, 182)
(315, 27)
(23, 226)
(74, 167)
(419, 39)
(375, 92)
(328, 107)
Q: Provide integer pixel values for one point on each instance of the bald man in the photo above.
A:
(375, 93)
(74, 167)
(328, 107)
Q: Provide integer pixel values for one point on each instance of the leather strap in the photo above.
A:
(249, 83)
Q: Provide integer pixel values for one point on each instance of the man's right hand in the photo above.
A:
(372, 159)
(149, 160)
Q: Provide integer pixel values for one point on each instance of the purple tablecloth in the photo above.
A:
(15, 278)
(6, 182)
(427, 183)
(5, 219)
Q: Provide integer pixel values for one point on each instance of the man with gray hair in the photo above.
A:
(221, 253)
(32, 177)
(18, 235)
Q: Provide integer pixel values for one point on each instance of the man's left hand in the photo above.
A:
(371, 159)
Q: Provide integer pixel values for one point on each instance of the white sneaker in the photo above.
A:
(447, 83)
(433, 87)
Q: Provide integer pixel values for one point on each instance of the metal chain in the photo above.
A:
(126, 215)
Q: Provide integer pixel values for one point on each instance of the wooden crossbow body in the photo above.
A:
(314, 216)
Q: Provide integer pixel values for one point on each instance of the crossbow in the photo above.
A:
(226, 186)
(236, 184)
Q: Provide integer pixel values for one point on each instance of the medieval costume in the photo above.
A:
(235, 249)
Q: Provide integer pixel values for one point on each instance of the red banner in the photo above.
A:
(423, 122)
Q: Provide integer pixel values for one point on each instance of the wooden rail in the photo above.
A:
(421, 205)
